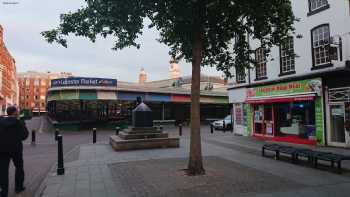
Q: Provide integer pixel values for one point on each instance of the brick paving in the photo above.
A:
(91, 169)
(233, 169)
(164, 178)
(39, 159)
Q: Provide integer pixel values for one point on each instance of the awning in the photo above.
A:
(281, 99)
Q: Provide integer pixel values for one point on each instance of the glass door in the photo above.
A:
(337, 130)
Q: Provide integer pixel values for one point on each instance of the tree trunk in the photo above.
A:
(195, 165)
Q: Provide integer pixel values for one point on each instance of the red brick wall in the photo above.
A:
(8, 89)
(32, 96)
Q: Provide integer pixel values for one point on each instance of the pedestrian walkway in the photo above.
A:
(232, 164)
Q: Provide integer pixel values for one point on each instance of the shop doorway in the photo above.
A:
(337, 131)
(264, 120)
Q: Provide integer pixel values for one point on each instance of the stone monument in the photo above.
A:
(142, 135)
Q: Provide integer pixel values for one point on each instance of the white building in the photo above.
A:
(303, 99)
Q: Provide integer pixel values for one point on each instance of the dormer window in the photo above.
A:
(316, 6)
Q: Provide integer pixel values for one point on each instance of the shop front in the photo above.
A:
(338, 111)
(287, 112)
(240, 111)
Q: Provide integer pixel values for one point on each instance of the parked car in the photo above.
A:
(219, 124)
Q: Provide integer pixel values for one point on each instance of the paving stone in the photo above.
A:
(165, 178)
(236, 170)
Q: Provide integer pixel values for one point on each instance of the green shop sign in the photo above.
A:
(294, 87)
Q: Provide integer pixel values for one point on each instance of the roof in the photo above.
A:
(185, 80)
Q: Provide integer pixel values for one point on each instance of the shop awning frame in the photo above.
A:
(281, 99)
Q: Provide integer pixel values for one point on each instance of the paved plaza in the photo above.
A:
(233, 164)
(234, 167)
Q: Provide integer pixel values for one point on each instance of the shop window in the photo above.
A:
(240, 75)
(289, 120)
(260, 68)
(320, 46)
(287, 57)
(239, 115)
(316, 6)
(295, 119)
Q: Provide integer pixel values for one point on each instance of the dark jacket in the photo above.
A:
(12, 133)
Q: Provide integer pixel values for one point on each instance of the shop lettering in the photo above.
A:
(285, 87)
(83, 82)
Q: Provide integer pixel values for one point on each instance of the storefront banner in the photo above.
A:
(83, 81)
(288, 88)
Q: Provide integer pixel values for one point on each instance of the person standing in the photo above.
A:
(12, 132)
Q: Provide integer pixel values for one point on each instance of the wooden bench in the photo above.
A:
(305, 153)
(312, 156)
(278, 149)
(331, 157)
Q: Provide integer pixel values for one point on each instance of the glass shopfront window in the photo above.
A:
(294, 119)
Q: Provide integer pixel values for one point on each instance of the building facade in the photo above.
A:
(302, 98)
(33, 89)
(8, 81)
(86, 101)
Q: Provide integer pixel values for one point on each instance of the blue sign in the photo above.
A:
(83, 81)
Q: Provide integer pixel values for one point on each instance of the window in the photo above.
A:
(36, 82)
(287, 58)
(320, 46)
(316, 6)
(260, 68)
(240, 75)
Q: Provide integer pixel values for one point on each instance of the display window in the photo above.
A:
(285, 120)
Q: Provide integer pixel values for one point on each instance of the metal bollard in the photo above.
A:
(94, 135)
(57, 132)
(180, 129)
(223, 126)
(60, 163)
(211, 128)
(117, 129)
(33, 137)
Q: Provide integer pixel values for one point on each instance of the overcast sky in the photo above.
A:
(24, 20)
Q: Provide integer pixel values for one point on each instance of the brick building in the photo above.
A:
(8, 81)
(33, 88)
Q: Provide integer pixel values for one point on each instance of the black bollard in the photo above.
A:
(117, 129)
(211, 128)
(223, 126)
(57, 132)
(33, 137)
(60, 163)
(94, 137)
(180, 129)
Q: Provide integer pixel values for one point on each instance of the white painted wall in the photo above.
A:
(337, 16)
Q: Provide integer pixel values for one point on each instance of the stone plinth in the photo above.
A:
(142, 135)
(120, 144)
